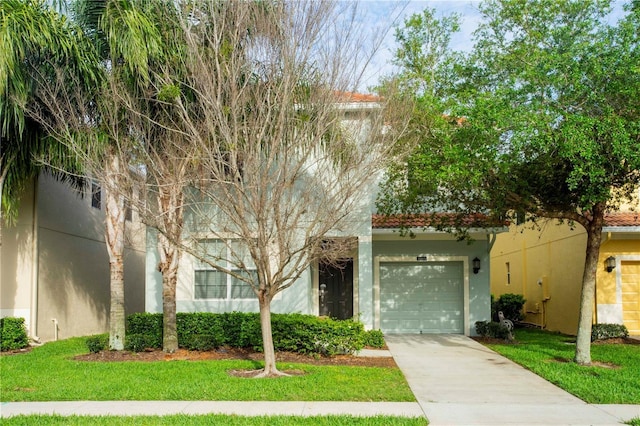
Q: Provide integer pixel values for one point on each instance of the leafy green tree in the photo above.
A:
(34, 39)
(68, 103)
(549, 99)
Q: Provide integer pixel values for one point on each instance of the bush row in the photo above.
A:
(13, 334)
(299, 333)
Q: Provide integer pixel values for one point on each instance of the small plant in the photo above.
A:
(13, 334)
(374, 339)
(608, 331)
(492, 329)
(97, 343)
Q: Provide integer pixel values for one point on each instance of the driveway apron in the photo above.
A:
(458, 381)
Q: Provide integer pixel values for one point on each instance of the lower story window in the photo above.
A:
(213, 284)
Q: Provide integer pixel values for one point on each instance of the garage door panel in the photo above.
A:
(422, 297)
(630, 277)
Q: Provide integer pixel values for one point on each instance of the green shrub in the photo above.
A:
(511, 306)
(374, 339)
(299, 333)
(146, 324)
(191, 328)
(97, 343)
(492, 329)
(231, 323)
(138, 342)
(201, 342)
(608, 331)
(340, 337)
(250, 332)
(13, 334)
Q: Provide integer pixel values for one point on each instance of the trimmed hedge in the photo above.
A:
(146, 324)
(13, 334)
(608, 331)
(299, 333)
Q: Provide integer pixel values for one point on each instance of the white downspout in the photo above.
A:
(55, 329)
(33, 324)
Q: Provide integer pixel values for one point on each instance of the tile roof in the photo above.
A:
(432, 221)
(622, 219)
(357, 97)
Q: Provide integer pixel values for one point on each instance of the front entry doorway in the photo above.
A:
(335, 290)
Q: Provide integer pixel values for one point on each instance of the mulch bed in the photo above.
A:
(235, 353)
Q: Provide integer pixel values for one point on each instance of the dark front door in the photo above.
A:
(336, 289)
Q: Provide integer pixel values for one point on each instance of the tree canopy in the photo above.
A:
(542, 117)
(34, 40)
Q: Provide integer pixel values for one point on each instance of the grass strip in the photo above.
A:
(49, 373)
(42, 420)
(614, 377)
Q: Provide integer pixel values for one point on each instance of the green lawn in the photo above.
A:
(215, 420)
(48, 373)
(550, 356)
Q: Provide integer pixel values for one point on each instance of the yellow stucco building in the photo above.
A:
(545, 265)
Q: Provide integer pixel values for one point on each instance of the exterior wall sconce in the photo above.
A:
(476, 265)
(610, 263)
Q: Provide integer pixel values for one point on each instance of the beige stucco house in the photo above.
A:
(546, 266)
(54, 267)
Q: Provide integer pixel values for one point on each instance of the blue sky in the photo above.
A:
(385, 14)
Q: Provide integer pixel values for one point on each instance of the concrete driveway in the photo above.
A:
(458, 381)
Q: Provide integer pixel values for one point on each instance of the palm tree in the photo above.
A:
(43, 51)
(34, 40)
(140, 43)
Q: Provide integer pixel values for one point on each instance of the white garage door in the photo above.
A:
(425, 297)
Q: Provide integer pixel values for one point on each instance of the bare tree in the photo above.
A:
(286, 158)
(252, 132)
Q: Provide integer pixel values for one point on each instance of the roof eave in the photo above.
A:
(431, 230)
(621, 229)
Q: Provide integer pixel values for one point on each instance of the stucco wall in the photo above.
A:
(16, 262)
(70, 267)
(546, 267)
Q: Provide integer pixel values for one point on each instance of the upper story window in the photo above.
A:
(210, 283)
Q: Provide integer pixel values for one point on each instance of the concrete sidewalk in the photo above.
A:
(239, 408)
(456, 381)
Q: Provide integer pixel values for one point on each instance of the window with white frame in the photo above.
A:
(210, 283)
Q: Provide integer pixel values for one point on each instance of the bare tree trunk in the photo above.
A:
(169, 269)
(594, 234)
(115, 223)
(170, 202)
(270, 368)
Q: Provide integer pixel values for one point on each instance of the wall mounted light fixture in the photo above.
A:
(610, 263)
(476, 265)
